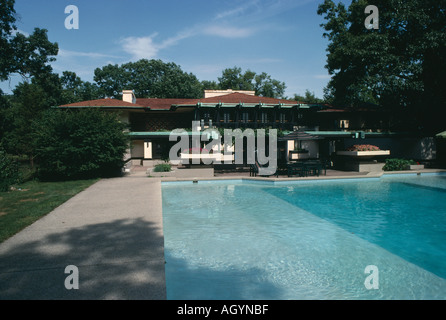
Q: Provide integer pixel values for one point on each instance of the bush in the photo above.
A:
(79, 144)
(163, 167)
(397, 164)
(9, 171)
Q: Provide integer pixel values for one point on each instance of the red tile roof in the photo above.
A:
(166, 104)
(245, 98)
(102, 103)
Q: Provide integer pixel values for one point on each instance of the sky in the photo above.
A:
(280, 37)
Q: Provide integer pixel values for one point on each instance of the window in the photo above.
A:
(264, 117)
(245, 117)
(282, 117)
(226, 117)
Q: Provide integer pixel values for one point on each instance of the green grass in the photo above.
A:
(32, 200)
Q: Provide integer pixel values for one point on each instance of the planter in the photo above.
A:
(416, 166)
(364, 153)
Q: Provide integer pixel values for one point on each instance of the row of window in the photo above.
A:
(245, 117)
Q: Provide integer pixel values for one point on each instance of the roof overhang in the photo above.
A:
(441, 135)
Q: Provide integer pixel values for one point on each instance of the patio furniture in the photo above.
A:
(307, 168)
(254, 170)
(297, 168)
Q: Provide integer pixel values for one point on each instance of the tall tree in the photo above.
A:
(75, 90)
(262, 84)
(309, 97)
(149, 79)
(400, 65)
(28, 56)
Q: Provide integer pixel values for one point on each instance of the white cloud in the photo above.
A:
(69, 54)
(254, 12)
(228, 32)
(140, 47)
(236, 11)
(147, 48)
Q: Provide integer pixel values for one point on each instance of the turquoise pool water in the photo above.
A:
(306, 239)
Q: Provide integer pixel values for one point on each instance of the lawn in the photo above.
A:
(32, 200)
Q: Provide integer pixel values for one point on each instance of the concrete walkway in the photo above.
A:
(112, 232)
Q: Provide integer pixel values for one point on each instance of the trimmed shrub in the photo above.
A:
(163, 167)
(9, 171)
(397, 164)
(80, 144)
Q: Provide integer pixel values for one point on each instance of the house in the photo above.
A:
(318, 129)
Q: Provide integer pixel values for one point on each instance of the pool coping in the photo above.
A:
(274, 180)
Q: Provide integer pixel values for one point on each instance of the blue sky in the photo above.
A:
(282, 38)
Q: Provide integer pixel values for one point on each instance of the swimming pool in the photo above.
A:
(306, 239)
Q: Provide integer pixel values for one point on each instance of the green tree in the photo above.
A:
(30, 57)
(76, 90)
(209, 85)
(27, 103)
(9, 171)
(149, 79)
(262, 84)
(309, 97)
(79, 144)
(401, 65)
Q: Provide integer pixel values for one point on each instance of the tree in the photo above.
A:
(262, 84)
(79, 144)
(76, 90)
(309, 97)
(27, 104)
(9, 171)
(400, 66)
(267, 87)
(149, 79)
(209, 85)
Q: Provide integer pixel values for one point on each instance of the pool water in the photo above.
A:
(306, 239)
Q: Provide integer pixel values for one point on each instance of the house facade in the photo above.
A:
(319, 130)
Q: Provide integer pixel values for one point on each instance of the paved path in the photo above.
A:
(112, 232)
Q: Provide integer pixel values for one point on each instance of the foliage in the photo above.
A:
(79, 144)
(363, 147)
(400, 65)
(25, 55)
(262, 84)
(309, 97)
(9, 171)
(162, 167)
(149, 79)
(397, 164)
(76, 90)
